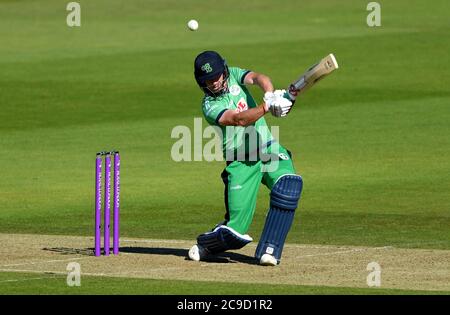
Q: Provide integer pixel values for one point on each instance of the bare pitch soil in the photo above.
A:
(340, 266)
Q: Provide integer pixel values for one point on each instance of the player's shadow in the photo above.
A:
(71, 251)
(227, 257)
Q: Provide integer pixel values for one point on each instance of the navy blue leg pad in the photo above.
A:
(284, 199)
(222, 238)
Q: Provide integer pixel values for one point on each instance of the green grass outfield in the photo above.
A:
(371, 141)
(23, 283)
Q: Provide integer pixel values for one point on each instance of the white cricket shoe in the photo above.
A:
(197, 252)
(268, 260)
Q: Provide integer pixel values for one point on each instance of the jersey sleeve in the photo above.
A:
(213, 110)
(239, 74)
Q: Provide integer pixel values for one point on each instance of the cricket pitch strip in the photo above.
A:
(317, 265)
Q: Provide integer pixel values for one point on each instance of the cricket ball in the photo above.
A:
(192, 25)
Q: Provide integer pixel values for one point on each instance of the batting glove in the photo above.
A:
(288, 96)
(276, 103)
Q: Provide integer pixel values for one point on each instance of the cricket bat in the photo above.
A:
(315, 73)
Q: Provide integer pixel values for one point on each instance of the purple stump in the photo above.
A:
(116, 203)
(107, 203)
(98, 204)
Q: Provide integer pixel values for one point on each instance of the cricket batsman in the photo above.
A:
(252, 157)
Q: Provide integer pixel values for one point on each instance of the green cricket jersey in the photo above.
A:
(237, 141)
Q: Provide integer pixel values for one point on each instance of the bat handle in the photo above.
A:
(292, 93)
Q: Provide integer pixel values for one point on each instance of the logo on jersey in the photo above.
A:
(206, 68)
(235, 89)
(241, 105)
(283, 156)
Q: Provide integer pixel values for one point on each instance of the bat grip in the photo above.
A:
(292, 93)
